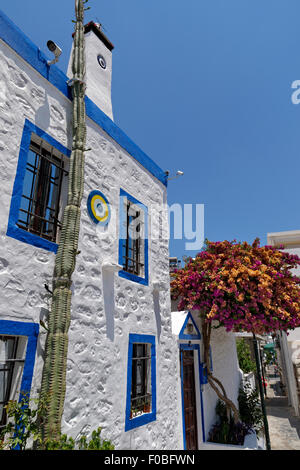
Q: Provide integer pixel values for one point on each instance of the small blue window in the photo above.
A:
(189, 329)
(141, 381)
(133, 239)
(35, 210)
(18, 342)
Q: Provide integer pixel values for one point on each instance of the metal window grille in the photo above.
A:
(8, 360)
(42, 187)
(141, 380)
(132, 262)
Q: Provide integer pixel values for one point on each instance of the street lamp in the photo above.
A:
(261, 392)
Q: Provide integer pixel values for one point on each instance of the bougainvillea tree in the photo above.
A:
(240, 287)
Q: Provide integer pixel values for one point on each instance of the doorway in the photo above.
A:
(189, 399)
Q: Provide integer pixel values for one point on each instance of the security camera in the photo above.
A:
(55, 50)
(178, 173)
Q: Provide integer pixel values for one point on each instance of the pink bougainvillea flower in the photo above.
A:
(241, 286)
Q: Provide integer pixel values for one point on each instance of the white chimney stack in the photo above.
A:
(98, 50)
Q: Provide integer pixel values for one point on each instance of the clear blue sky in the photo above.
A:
(202, 86)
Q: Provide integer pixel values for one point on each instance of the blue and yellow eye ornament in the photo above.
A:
(98, 208)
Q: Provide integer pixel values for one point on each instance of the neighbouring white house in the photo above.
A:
(200, 400)
(129, 356)
(290, 344)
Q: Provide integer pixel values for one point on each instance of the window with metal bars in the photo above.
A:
(42, 187)
(133, 239)
(10, 371)
(132, 245)
(141, 380)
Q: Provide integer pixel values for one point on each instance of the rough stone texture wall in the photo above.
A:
(225, 368)
(98, 346)
(24, 269)
(100, 327)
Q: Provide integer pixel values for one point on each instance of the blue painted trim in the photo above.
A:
(26, 49)
(100, 118)
(122, 238)
(182, 399)
(203, 370)
(185, 346)
(210, 356)
(203, 374)
(31, 330)
(12, 229)
(182, 335)
(147, 417)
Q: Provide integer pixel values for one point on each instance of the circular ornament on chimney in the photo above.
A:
(101, 61)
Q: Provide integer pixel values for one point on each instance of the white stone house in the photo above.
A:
(289, 344)
(125, 372)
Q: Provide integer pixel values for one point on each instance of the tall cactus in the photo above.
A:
(53, 386)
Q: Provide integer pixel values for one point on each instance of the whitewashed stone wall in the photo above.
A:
(98, 346)
(225, 368)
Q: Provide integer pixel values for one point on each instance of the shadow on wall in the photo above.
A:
(157, 313)
(43, 114)
(108, 282)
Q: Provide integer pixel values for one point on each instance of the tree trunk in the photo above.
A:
(215, 383)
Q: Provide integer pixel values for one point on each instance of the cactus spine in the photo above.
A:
(53, 386)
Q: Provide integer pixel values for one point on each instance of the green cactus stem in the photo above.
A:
(53, 387)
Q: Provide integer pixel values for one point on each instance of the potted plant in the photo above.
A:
(147, 407)
(226, 430)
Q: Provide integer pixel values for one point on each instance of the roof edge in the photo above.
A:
(91, 26)
(17, 40)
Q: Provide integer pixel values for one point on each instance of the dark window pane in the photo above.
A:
(141, 371)
(42, 184)
(131, 252)
(8, 350)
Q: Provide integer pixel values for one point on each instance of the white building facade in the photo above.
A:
(290, 344)
(127, 356)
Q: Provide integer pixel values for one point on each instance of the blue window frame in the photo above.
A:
(133, 239)
(20, 330)
(22, 180)
(140, 368)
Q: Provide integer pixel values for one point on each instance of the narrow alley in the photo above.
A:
(284, 426)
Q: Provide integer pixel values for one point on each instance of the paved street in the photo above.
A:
(284, 427)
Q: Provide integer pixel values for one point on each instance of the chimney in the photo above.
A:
(98, 51)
